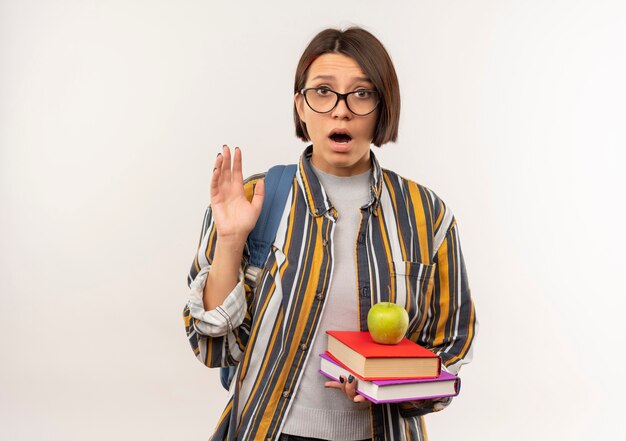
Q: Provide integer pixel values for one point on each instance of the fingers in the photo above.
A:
(215, 178)
(237, 172)
(350, 387)
(360, 399)
(226, 164)
(334, 385)
(222, 173)
(347, 386)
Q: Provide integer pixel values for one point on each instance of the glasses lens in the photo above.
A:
(362, 102)
(321, 100)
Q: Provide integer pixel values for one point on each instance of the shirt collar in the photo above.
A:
(316, 198)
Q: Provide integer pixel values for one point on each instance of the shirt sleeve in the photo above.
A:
(223, 319)
(217, 337)
(451, 330)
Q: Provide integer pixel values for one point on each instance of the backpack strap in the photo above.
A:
(278, 183)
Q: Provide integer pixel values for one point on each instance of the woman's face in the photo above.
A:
(341, 139)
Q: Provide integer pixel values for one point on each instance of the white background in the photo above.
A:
(111, 114)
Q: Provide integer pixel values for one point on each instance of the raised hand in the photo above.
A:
(234, 217)
(233, 214)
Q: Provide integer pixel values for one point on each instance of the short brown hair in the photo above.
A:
(371, 55)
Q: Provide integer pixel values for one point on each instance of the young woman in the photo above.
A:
(351, 234)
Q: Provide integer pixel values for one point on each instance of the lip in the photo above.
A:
(340, 131)
(340, 147)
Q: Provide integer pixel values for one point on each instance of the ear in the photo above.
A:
(298, 100)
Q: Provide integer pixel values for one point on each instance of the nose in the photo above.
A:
(341, 110)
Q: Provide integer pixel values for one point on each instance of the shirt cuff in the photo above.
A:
(224, 318)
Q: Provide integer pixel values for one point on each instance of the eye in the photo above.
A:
(363, 94)
(323, 91)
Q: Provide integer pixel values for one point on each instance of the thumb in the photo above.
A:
(259, 195)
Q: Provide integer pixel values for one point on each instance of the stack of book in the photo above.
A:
(387, 373)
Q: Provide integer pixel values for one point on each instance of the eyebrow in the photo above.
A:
(330, 77)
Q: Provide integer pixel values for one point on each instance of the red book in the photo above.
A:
(375, 361)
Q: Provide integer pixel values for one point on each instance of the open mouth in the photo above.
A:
(340, 137)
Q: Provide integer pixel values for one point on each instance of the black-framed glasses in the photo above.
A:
(361, 102)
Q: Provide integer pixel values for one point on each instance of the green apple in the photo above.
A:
(387, 323)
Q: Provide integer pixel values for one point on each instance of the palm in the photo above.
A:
(233, 214)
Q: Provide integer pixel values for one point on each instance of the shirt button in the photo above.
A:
(324, 242)
(286, 394)
(303, 346)
(365, 291)
(319, 296)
